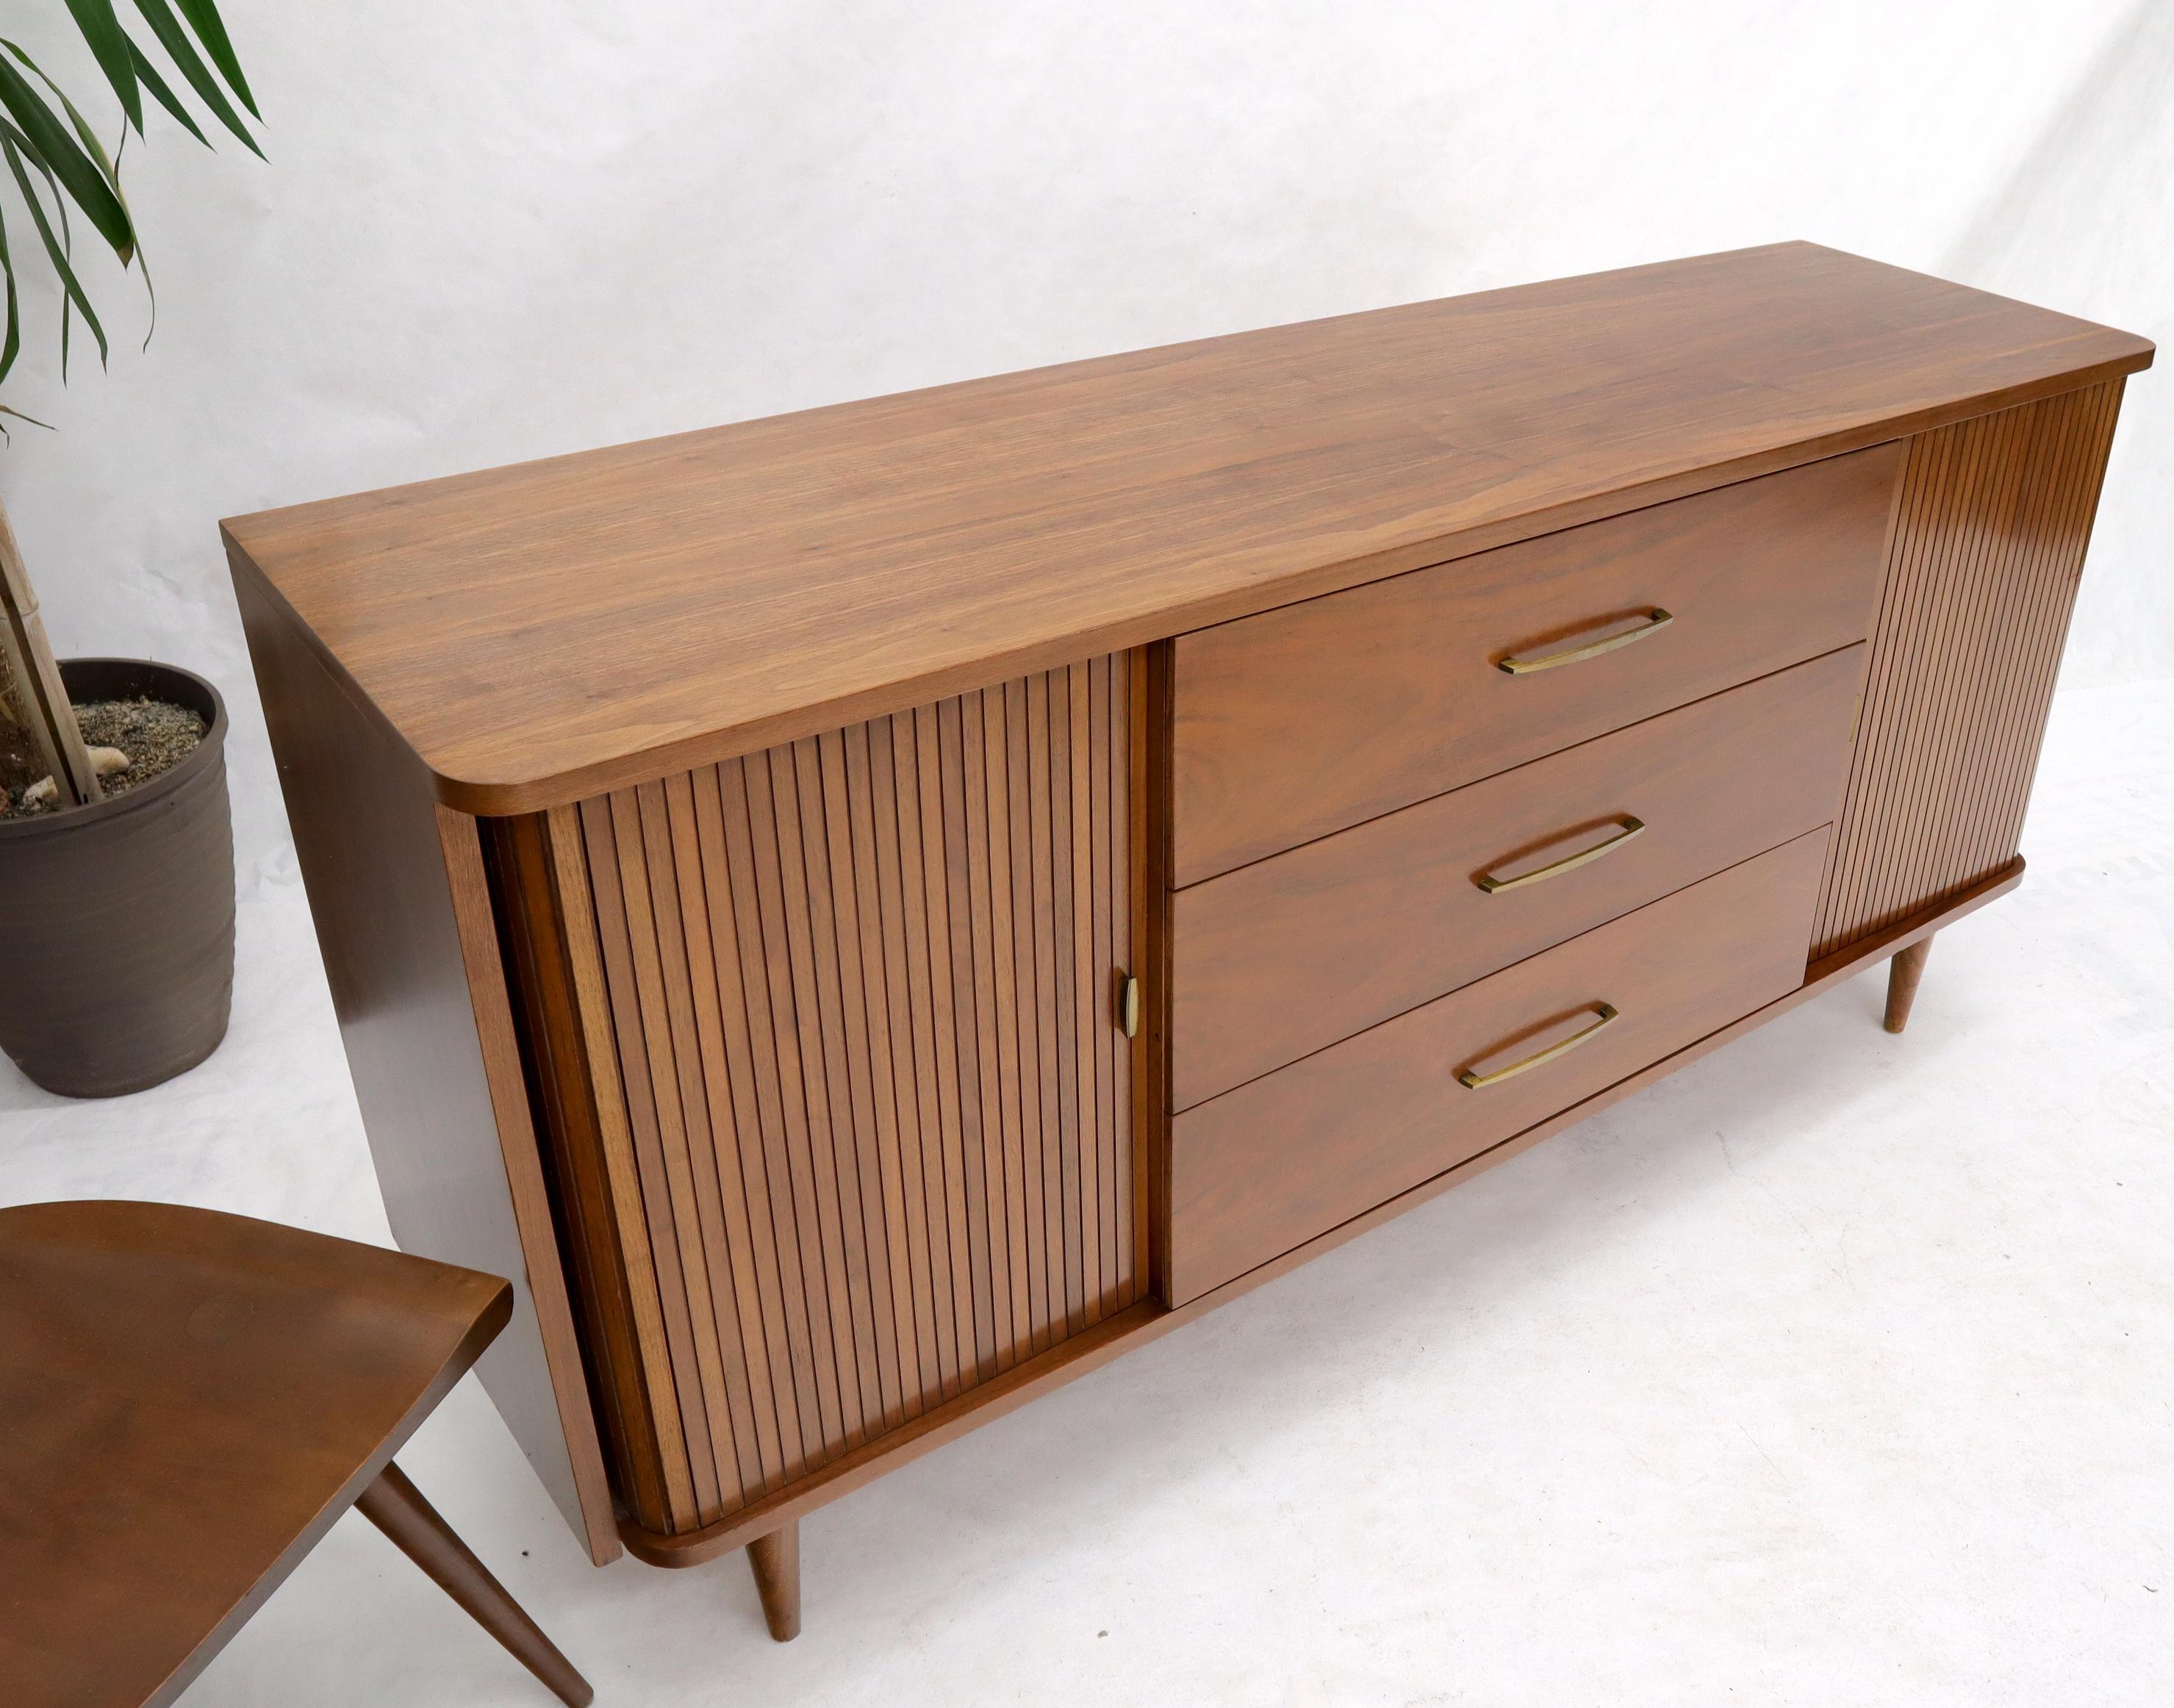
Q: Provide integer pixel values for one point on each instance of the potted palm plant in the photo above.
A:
(117, 849)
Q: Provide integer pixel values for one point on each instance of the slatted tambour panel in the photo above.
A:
(861, 1107)
(1982, 576)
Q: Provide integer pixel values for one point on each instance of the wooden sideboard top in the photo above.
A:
(544, 632)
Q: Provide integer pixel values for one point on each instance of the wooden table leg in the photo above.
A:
(397, 1507)
(775, 1560)
(1904, 970)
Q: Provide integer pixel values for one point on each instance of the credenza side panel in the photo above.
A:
(840, 1103)
(1983, 569)
(403, 918)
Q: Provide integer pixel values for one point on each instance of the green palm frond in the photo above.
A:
(166, 26)
(110, 45)
(14, 347)
(203, 19)
(61, 153)
(57, 156)
(147, 74)
(57, 249)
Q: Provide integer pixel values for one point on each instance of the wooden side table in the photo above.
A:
(188, 1401)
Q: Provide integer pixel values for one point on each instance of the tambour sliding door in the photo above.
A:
(1986, 557)
(830, 1047)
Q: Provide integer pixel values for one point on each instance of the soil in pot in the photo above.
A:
(19, 764)
(154, 734)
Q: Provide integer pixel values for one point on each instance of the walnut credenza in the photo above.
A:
(868, 914)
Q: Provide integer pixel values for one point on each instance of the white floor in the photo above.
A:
(1838, 1370)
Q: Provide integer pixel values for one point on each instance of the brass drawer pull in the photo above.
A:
(1493, 885)
(1128, 1005)
(1475, 1081)
(1655, 622)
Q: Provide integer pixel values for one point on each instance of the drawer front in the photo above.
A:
(1262, 1169)
(1304, 720)
(1293, 953)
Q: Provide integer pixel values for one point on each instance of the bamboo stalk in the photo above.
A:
(31, 679)
(13, 707)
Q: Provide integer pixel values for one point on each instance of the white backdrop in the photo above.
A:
(492, 230)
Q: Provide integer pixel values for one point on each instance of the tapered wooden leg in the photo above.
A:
(397, 1507)
(1903, 972)
(775, 1560)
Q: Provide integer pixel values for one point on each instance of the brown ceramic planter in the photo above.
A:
(116, 921)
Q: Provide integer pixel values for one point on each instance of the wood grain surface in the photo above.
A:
(1290, 954)
(546, 632)
(1264, 1168)
(841, 1113)
(837, 768)
(1148, 1321)
(1306, 720)
(1982, 577)
(403, 920)
(188, 1401)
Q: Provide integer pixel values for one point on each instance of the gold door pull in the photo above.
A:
(1128, 1005)
(1475, 1081)
(1655, 622)
(1493, 885)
